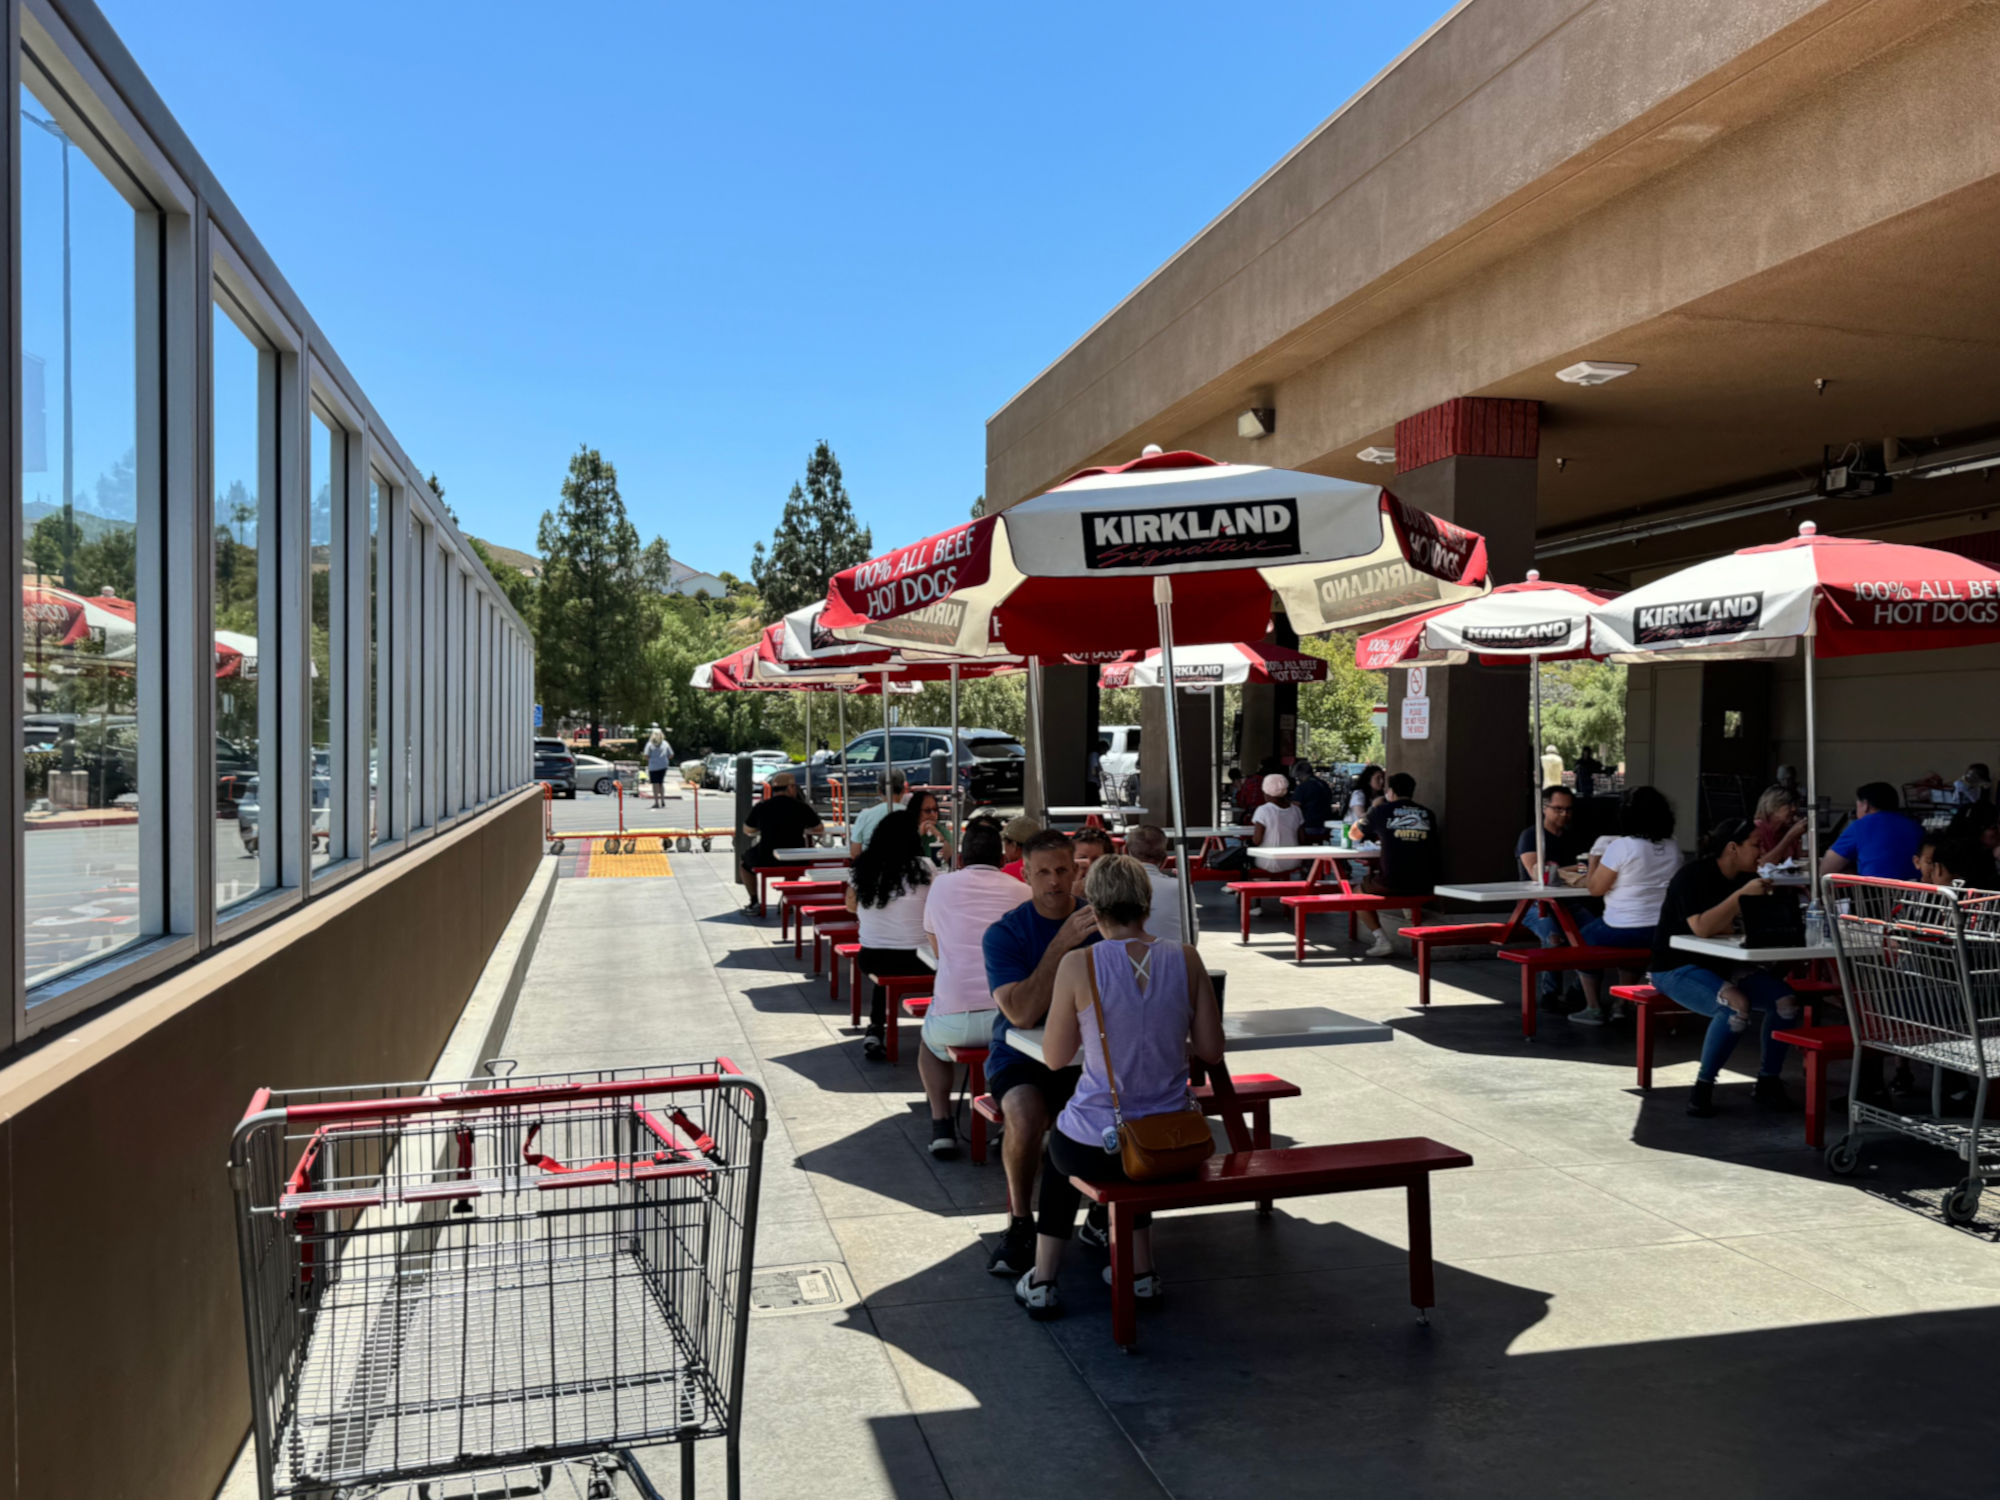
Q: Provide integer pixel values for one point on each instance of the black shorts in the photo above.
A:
(1055, 1084)
(659, 778)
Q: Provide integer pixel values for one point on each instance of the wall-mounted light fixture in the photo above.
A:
(1593, 372)
(1377, 455)
(1259, 421)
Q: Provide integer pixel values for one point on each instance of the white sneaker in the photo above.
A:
(1040, 1298)
(1381, 947)
(1146, 1285)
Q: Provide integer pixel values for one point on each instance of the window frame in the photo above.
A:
(347, 708)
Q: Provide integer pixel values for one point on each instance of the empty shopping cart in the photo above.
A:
(1920, 969)
(444, 1280)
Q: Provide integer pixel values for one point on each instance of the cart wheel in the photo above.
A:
(1962, 1207)
(704, 846)
(683, 844)
(556, 847)
(1843, 1156)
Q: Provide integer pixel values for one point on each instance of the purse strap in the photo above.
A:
(1103, 1041)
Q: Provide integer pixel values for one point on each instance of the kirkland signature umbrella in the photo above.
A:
(1532, 622)
(1843, 596)
(1207, 544)
(1235, 664)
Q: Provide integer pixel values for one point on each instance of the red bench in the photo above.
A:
(793, 894)
(1298, 1171)
(1821, 1045)
(1304, 906)
(1453, 935)
(774, 872)
(1536, 962)
(1247, 891)
(851, 953)
(830, 928)
(1244, 1108)
(974, 1061)
(1651, 1009)
(899, 989)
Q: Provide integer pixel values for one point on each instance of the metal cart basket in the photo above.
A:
(446, 1279)
(1920, 969)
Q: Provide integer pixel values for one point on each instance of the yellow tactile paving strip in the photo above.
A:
(616, 866)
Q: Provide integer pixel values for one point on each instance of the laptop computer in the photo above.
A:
(1775, 921)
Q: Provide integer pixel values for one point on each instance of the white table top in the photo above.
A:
(1513, 890)
(1731, 946)
(1234, 831)
(1096, 812)
(1308, 1026)
(1316, 851)
(1026, 1042)
(810, 856)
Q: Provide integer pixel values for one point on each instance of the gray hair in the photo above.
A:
(1119, 887)
(898, 782)
(1146, 842)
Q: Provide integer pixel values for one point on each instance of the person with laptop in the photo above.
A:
(1705, 899)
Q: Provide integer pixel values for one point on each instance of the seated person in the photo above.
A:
(1407, 833)
(1252, 793)
(1631, 879)
(1952, 859)
(1315, 800)
(888, 887)
(1151, 1003)
(867, 821)
(781, 821)
(1702, 900)
(1880, 843)
(963, 904)
(1021, 951)
(1564, 851)
(1369, 788)
(1275, 824)
(931, 827)
(1147, 843)
(1976, 785)
(1088, 845)
(1781, 824)
(1013, 838)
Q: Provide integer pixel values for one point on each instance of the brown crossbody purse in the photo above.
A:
(1152, 1146)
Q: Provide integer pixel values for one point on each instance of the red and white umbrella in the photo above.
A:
(56, 617)
(1073, 570)
(1230, 665)
(1842, 596)
(1534, 621)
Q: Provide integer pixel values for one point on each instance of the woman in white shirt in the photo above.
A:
(887, 890)
(1274, 825)
(1631, 879)
(1369, 788)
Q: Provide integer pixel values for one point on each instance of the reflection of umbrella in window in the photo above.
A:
(57, 617)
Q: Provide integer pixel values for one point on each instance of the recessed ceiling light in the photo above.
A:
(1593, 372)
(1377, 455)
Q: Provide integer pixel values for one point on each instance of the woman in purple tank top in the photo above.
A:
(1159, 1006)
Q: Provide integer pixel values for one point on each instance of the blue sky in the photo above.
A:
(701, 238)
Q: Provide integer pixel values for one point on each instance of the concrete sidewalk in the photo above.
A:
(1629, 1299)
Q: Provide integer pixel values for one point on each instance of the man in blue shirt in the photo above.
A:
(1022, 951)
(1880, 843)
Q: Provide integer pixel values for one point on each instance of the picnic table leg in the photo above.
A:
(1643, 1036)
(1527, 1003)
(799, 934)
(1816, 1100)
(1243, 897)
(1260, 1140)
(1124, 1306)
(892, 1025)
(832, 968)
(1298, 934)
(1423, 973)
(975, 1085)
(1423, 1288)
(854, 985)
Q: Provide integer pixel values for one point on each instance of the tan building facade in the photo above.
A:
(1778, 211)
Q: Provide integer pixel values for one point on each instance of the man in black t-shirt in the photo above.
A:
(1564, 850)
(780, 821)
(1407, 832)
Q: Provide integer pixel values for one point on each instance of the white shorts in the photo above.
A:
(965, 1028)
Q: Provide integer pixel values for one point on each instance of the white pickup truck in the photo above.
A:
(1117, 764)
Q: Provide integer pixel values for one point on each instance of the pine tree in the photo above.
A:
(817, 538)
(590, 614)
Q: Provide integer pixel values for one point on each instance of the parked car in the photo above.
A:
(992, 765)
(1115, 766)
(597, 773)
(725, 774)
(555, 766)
(250, 813)
(711, 768)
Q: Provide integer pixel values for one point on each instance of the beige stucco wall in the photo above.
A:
(120, 1307)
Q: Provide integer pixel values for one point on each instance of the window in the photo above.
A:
(327, 478)
(378, 693)
(907, 747)
(865, 752)
(243, 577)
(88, 889)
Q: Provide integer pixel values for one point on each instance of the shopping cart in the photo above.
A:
(1920, 969)
(441, 1280)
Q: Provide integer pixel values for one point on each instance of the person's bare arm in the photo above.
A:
(1063, 1033)
(853, 898)
(1026, 1002)
(1834, 864)
(1721, 917)
(1205, 1022)
(1788, 845)
(1602, 878)
(1529, 864)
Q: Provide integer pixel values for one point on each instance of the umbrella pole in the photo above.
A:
(957, 806)
(840, 714)
(1163, 600)
(1535, 774)
(1035, 726)
(1812, 772)
(887, 764)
